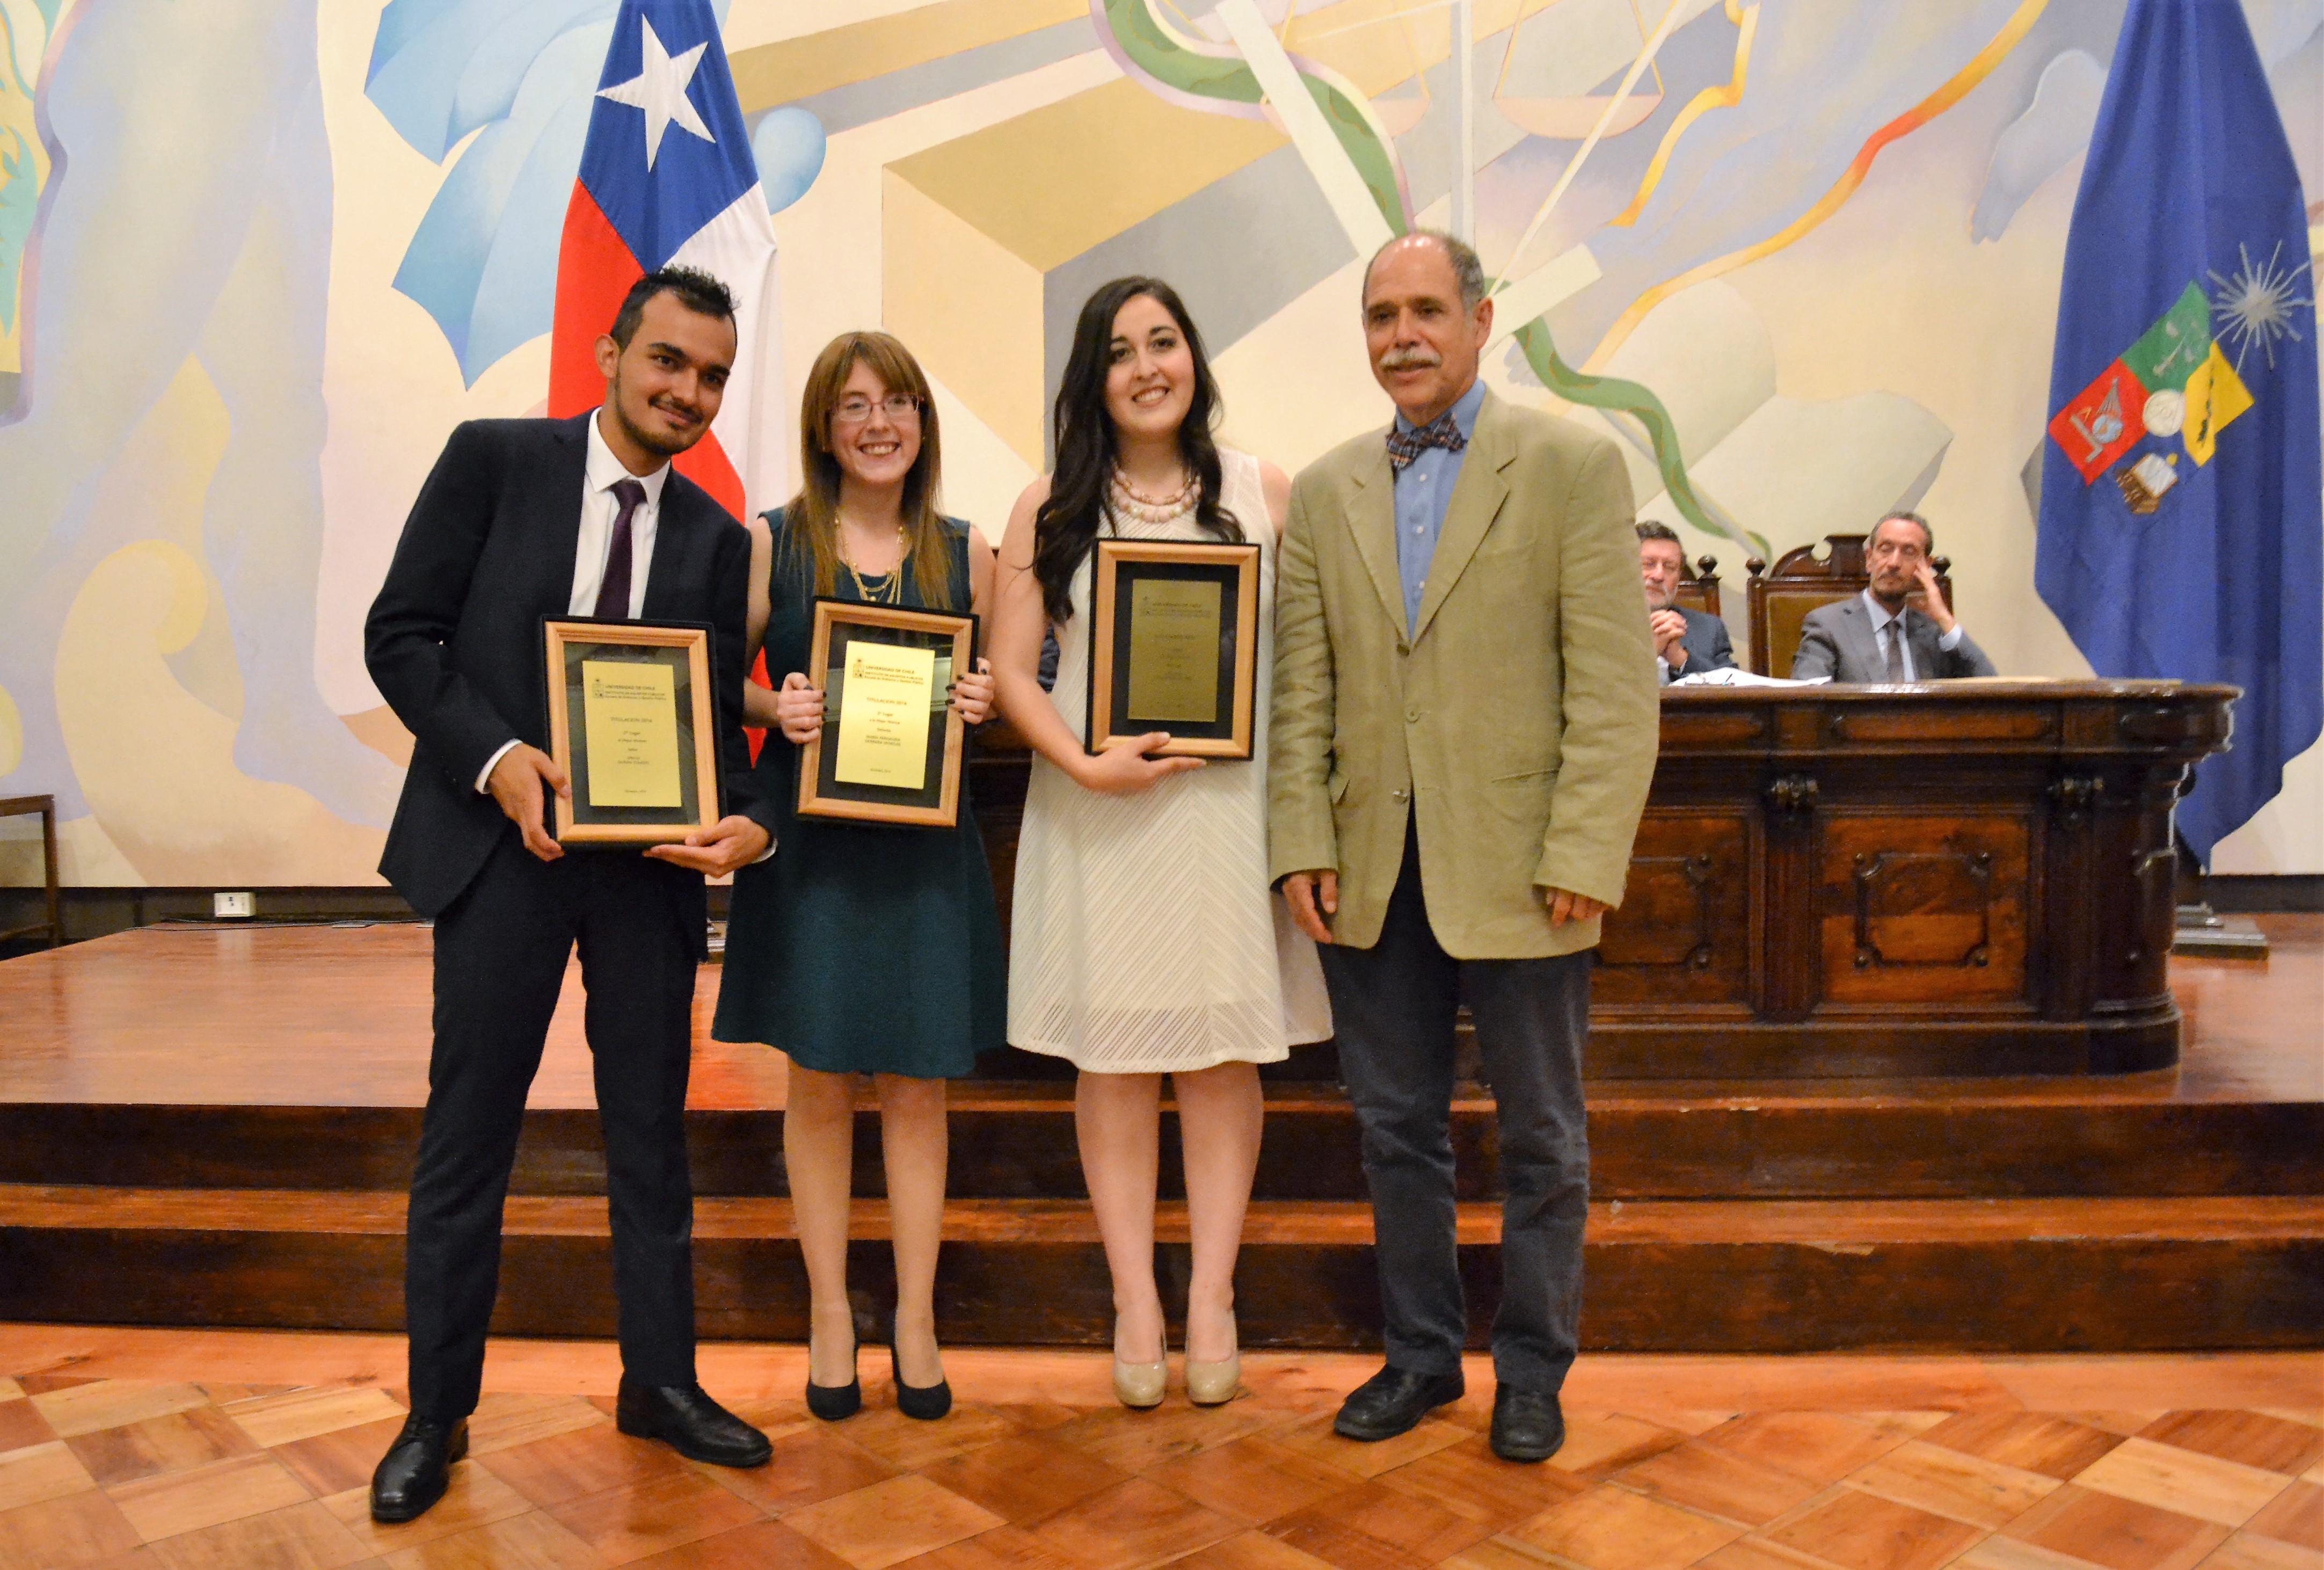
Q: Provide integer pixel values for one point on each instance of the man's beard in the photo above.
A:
(667, 446)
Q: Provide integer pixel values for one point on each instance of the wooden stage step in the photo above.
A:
(1904, 1139)
(216, 1128)
(2115, 1275)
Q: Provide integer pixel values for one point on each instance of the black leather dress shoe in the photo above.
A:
(1528, 1425)
(690, 1423)
(1393, 1401)
(417, 1468)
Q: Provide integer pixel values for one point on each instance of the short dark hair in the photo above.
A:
(696, 290)
(1468, 272)
(1928, 535)
(1650, 529)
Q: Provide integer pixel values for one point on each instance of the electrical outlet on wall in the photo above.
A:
(225, 905)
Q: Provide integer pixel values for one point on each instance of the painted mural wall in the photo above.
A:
(258, 256)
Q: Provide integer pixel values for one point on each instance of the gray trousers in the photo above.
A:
(1393, 1007)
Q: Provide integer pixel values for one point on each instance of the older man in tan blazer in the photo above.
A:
(1464, 726)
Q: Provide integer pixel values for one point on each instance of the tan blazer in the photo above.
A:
(1519, 718)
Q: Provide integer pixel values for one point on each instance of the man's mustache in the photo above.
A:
(1410, 360)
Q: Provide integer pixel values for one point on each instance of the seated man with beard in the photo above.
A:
(1686, 641)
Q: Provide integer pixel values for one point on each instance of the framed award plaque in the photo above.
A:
(633, 721)
(1174, 645)
(891, 746)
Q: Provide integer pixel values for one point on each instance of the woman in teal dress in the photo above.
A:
(861, 948)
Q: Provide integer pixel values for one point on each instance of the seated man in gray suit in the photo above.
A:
(1686, 641)
(1876, 636)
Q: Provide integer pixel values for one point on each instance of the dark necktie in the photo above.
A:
(1404, 446)
(613, 594)
(1897, 649)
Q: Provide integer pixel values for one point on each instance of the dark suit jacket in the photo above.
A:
(1707, 644)
(454, 639)
(1837, 640)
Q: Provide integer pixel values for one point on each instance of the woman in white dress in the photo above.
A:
(1144, 938)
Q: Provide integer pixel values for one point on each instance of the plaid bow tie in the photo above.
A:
(1404, 446)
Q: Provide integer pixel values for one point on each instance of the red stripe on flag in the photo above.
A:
(705, 464)
(593, 269)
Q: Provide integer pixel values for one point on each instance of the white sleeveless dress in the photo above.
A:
(1144, 938)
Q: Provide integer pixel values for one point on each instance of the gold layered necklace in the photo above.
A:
(877, 589)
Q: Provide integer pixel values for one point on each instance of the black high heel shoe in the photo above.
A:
(925, 1402)
(833, 1402)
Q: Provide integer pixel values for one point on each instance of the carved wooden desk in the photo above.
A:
(1951, 878)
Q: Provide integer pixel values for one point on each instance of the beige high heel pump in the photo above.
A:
(1141, 1384)
(1215, 1384)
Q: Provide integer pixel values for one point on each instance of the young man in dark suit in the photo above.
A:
(522, 519)
(1686, 641)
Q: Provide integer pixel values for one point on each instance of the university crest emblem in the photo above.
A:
(2177, 380)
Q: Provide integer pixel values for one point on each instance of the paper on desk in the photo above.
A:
(1734, 675)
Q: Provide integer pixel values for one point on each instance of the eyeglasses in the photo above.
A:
(856, 409)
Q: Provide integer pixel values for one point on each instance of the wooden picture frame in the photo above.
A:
(840, 769)
(663, 730)
(1156, 607)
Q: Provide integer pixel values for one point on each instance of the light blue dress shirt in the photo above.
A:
(1423, 490)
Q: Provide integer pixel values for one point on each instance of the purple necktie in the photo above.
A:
(613, 594)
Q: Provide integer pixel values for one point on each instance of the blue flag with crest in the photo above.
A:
(2182, 530)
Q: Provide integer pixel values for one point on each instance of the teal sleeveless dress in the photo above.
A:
(859, 947)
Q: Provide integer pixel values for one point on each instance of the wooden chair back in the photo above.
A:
(1780, 600)
(1698, 585)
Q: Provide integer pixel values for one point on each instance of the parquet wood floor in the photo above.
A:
(208, 1450)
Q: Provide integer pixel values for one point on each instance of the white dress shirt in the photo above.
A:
(1948, 641)
(599, 508)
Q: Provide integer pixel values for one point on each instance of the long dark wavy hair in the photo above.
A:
(1066, 525)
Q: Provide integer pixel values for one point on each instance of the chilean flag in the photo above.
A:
(666, 176)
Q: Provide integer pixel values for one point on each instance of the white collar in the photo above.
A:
(1879, 613)
(604, 471)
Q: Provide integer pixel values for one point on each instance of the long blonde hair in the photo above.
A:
(813, 512)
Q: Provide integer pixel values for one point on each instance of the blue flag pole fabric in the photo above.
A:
(2182, 532)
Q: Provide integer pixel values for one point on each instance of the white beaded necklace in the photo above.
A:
(1126, 502)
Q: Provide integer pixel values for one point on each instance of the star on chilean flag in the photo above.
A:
(666, 176)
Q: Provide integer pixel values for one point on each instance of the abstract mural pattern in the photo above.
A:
(257, 256)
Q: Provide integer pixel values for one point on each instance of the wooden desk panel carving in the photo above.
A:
(1908, 723)
(1684, 936)
(1959, 878)
(1908, 905)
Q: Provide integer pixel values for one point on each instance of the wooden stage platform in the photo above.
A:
(214, 1127)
